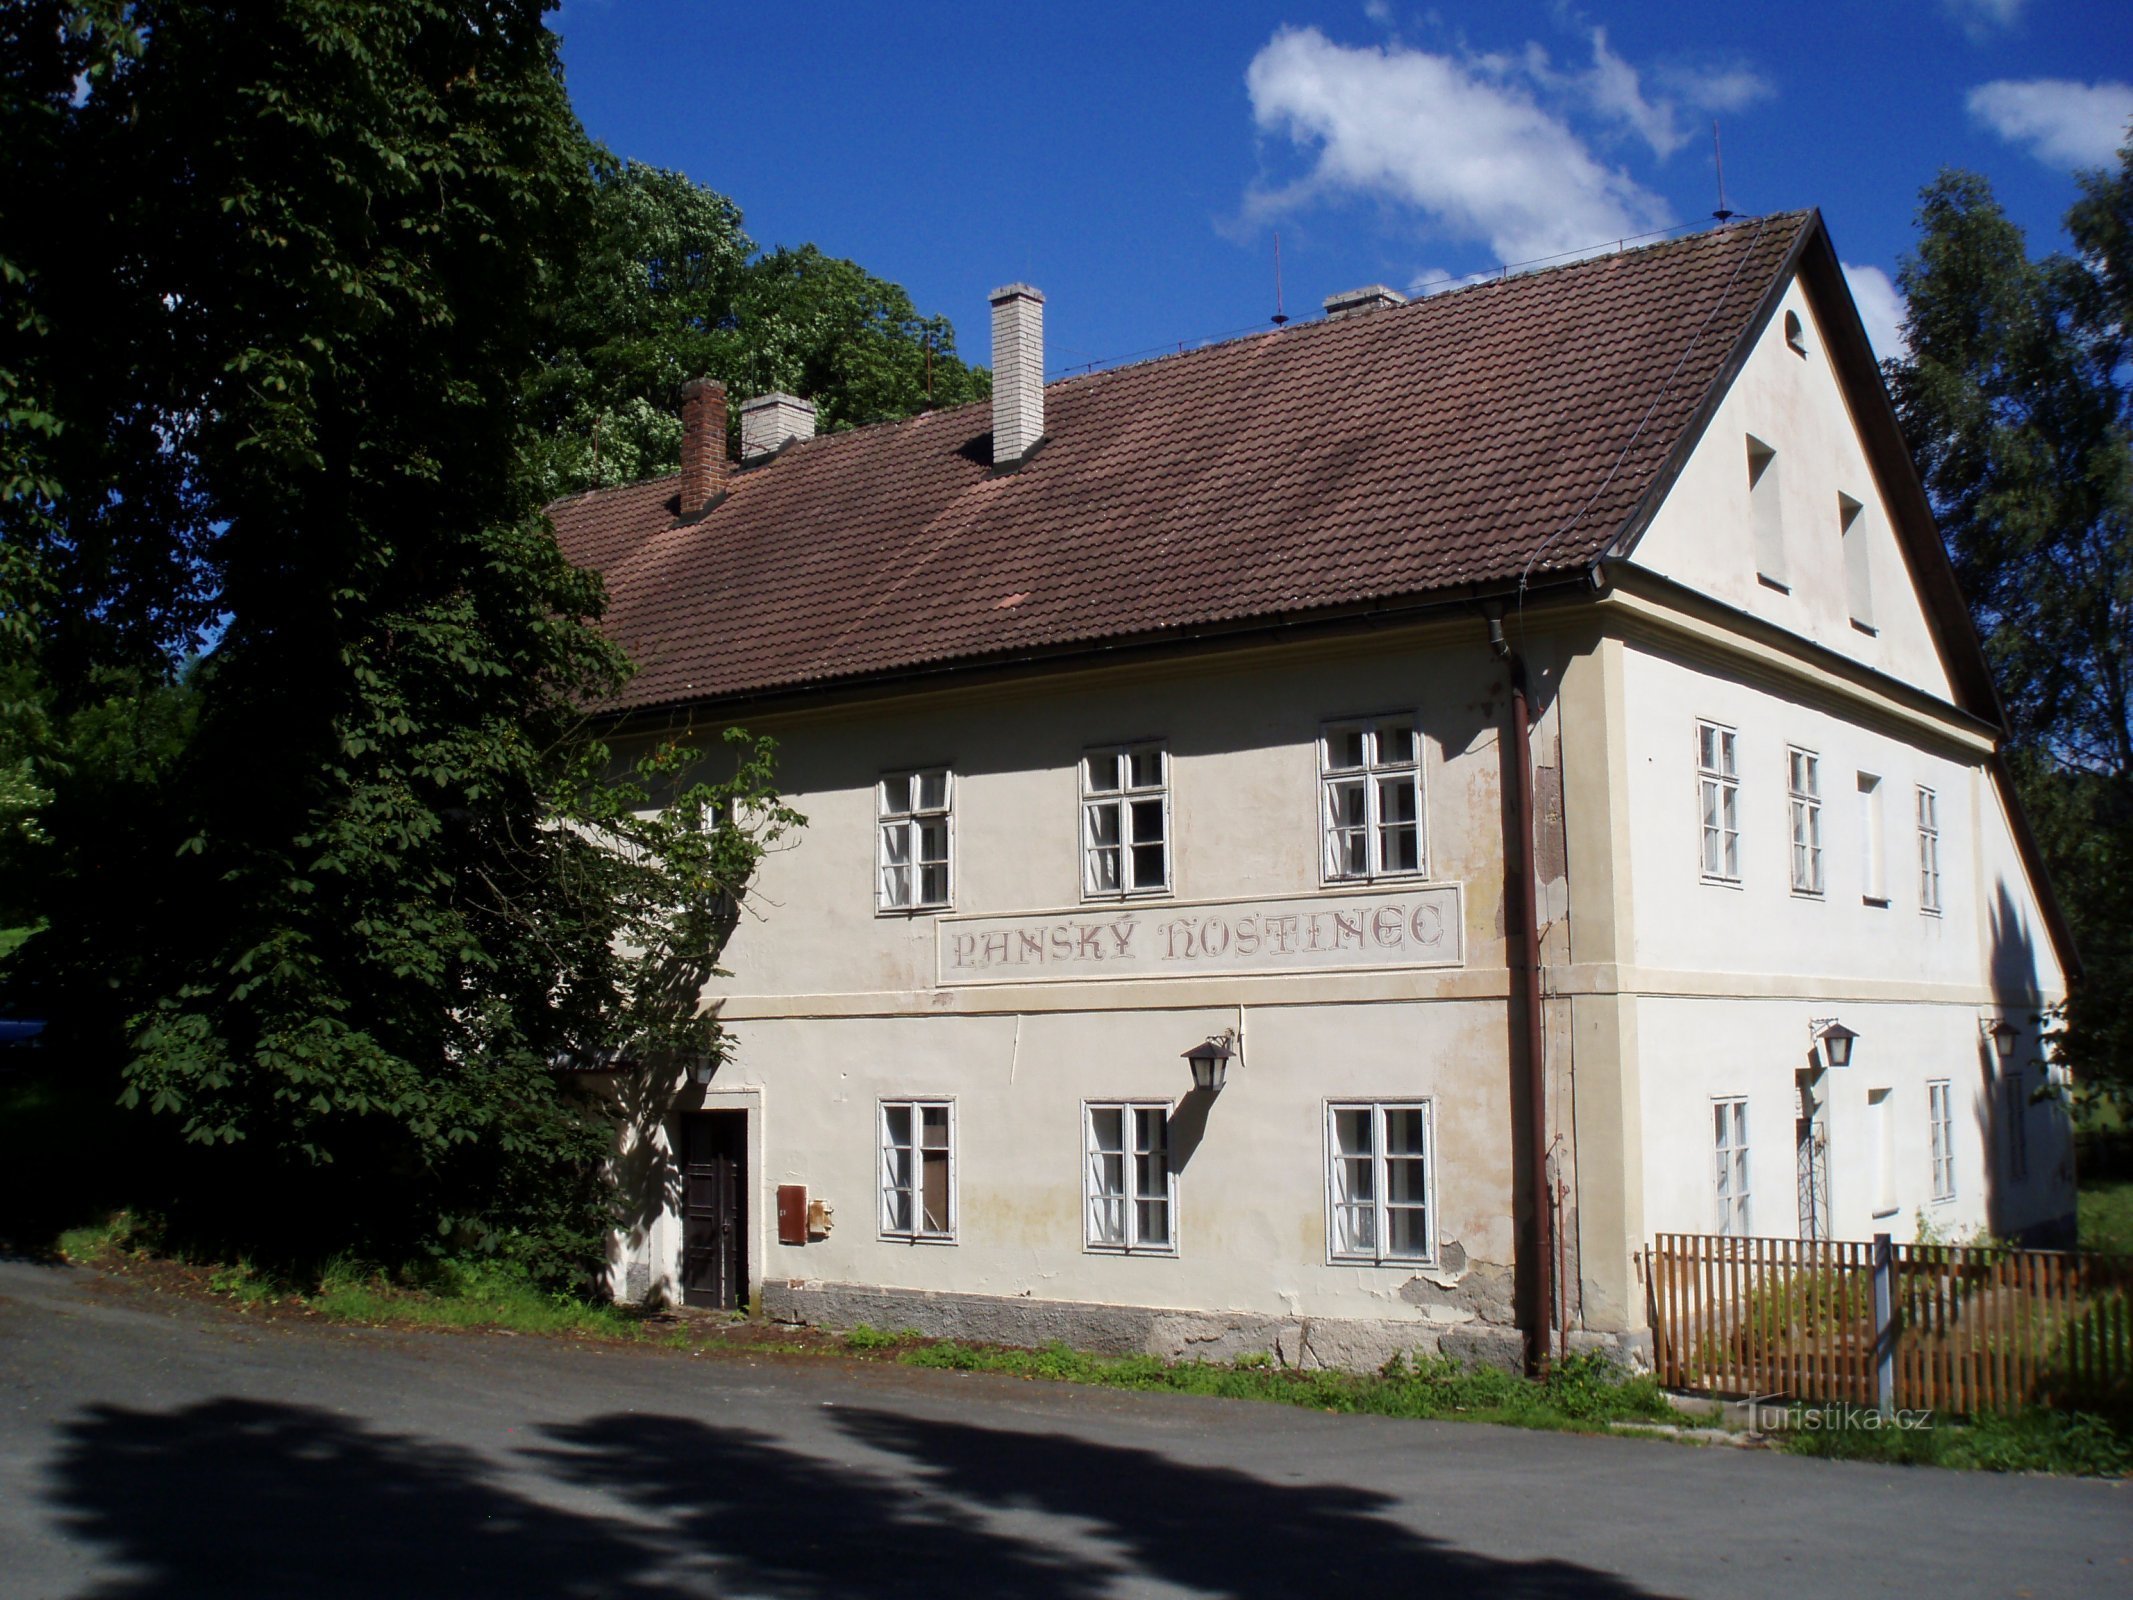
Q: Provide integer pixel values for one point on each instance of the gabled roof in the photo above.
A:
(1507, 431)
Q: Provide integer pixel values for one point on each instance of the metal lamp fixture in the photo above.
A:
(1834, 1039)
(1210, 1060)
(2004, 1036)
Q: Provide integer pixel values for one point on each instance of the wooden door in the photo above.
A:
(714, 1190)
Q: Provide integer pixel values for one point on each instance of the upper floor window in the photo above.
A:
(1803, 783)
(1378, 1181)
(1718, 787)
(1928, 851)
(1768, 526)
(1130, 1191)
(1125, 820)
(1873, 856)
(1370, 780)
(914, 814)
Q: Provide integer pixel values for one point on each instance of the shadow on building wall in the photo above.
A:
(2022, 1118)
(237, 1498)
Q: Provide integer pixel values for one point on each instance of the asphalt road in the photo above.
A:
(152, 1446)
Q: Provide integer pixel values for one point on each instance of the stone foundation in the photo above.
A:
(1304, 1343)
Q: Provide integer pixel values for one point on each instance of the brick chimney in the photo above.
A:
(772, 421)
(703, 445)
(1354, 302)
(1017, 372)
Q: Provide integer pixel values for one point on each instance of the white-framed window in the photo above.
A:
(1729, 1121)
(1873, 857)
(913, 853)
(2016, 1097)
(1803, 783)
(1129, 1191)
(1928, 851)
(918, 1170)
(1370, 798)
(1940, 1120)
(1718, 788)
(1125, 820)
(1379, 1171)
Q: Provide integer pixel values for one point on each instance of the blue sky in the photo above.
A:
(1136, 160)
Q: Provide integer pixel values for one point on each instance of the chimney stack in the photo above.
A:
(703, 445)
(1017, 372)
(772, 421)
(1354, 302)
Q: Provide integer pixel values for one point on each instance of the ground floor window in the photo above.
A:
(2017, 1128)
(1130, 1190)
(1940, 1116)
(918, 1170)
(1378, 1172)
(1729, 1120)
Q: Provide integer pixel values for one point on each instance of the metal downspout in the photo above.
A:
(1526, 989)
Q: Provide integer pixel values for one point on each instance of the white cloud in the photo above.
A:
(1981, 19)
(1464, 141)
(1616, 92)
(2064, 123)
(1715, 87)
(1881, 308)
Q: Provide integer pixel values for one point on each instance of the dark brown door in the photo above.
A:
(714, 1191)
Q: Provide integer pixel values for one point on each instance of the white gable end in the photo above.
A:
(1778, 513)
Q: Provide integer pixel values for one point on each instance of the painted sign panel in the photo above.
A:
(1417, 927)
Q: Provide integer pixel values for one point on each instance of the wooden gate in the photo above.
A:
(1968, 1327)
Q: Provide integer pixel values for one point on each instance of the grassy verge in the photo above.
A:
(1585, 1392)
(2072, 1443)
(2106, 1216)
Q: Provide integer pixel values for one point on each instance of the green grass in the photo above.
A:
(2076, 1444)
(455, 1295)
(2106, 1216)
(1584, 1393)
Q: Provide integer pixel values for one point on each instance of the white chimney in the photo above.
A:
(1017, 372)
(1371, 297)
(772, 421)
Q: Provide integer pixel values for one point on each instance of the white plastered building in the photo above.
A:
(1529, 735)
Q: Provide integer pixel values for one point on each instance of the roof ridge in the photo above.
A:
(1441, 297)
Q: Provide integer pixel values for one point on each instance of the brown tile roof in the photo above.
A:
(1460, 440)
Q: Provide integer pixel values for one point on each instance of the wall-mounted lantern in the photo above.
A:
(704, 1067)
(1210, 1060)
(1834, 1040)
(2004, 1036)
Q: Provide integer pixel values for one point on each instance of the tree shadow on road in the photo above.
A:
(242, 1497)
(238, 1498)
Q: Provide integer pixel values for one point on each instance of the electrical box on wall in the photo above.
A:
(792, 1213)
(820, 1218)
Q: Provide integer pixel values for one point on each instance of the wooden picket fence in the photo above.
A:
(1967, 1328)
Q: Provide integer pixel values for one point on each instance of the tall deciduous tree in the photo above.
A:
(281, 284)
(2018, 402)
(674, 289)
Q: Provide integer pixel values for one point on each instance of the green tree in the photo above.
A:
(2017, 400)
(285, 347)
(672, 289)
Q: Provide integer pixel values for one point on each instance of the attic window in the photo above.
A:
(1858, 570)
(1763, 516)
(1795, 334)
